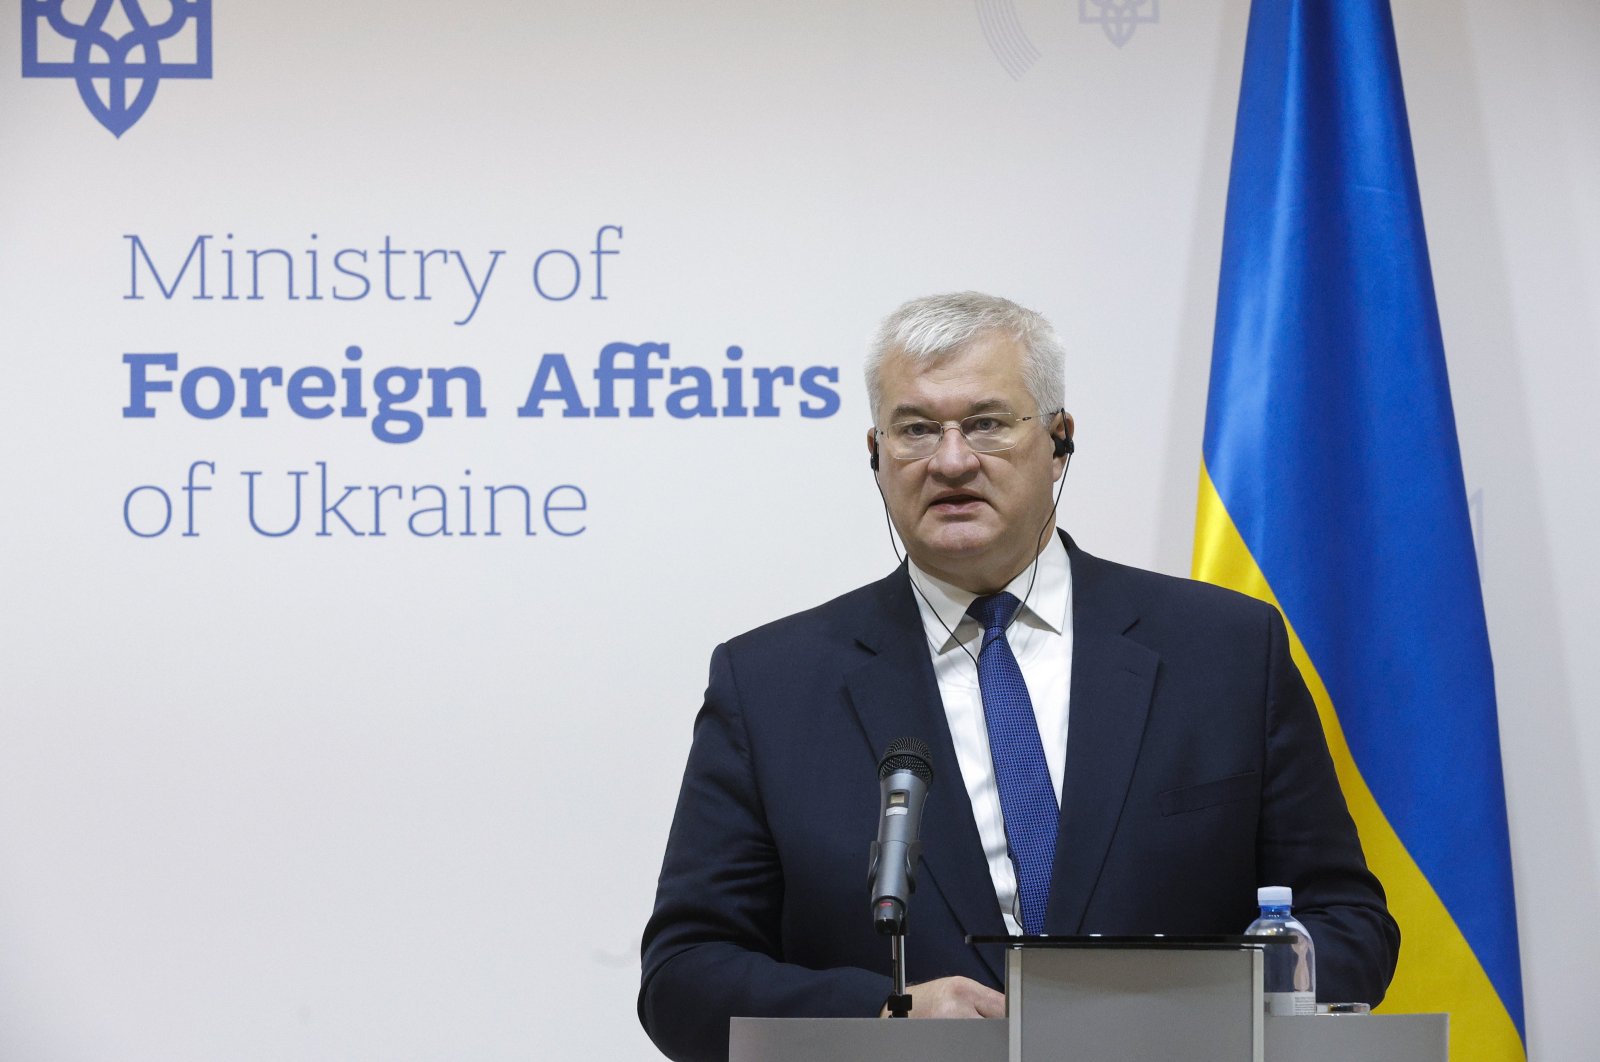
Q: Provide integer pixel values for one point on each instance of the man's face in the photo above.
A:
(971, 519)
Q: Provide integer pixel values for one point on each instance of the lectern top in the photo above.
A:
(1152, 942)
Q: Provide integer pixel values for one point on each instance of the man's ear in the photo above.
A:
(1063, 439)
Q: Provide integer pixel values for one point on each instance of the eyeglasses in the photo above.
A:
(986, 433)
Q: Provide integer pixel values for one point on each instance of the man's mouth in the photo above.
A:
(955, 504)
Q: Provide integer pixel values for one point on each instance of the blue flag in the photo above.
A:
(1331, 485)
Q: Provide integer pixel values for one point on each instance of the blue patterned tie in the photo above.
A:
(1027, 796)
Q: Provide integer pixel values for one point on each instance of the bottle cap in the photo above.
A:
(1275, 896)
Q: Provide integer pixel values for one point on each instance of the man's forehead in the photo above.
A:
(982, 376)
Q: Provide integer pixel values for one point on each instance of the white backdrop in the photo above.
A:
(340, 797)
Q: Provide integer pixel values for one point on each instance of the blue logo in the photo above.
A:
(116, 51)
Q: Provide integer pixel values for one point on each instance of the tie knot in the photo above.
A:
(994, 611)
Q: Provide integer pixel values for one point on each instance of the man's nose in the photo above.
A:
(954, 456)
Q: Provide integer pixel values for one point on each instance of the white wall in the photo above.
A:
(334, 798)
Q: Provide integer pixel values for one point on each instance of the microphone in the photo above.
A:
(904, 776)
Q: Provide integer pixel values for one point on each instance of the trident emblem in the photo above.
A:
(116, 52)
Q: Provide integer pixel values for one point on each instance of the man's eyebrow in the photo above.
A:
(908, 410)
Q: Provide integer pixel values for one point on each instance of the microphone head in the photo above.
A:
(907, 754)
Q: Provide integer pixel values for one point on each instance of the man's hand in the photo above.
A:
(954, 997)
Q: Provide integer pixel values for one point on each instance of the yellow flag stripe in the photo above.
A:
(1438, 970)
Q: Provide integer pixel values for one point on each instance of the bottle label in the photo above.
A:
(1287, 1004)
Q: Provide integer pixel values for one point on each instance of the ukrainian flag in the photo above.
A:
(1331, 486)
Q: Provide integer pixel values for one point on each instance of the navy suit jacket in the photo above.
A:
(1196, 771)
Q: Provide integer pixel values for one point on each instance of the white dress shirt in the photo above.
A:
(1041, 639)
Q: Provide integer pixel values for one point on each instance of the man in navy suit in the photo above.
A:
(1153, 731)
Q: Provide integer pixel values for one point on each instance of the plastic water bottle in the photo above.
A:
(1290, 966)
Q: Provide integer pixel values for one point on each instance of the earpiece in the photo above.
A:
(1063, 441)
(873, 460)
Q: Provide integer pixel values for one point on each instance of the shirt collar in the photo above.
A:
(944, 607)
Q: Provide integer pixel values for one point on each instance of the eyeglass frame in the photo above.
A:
(946, 425)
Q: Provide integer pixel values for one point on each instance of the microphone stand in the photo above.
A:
(892, 920)
(899, 1001)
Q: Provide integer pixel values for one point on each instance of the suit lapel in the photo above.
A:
(894, 695)
(1113, 678)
